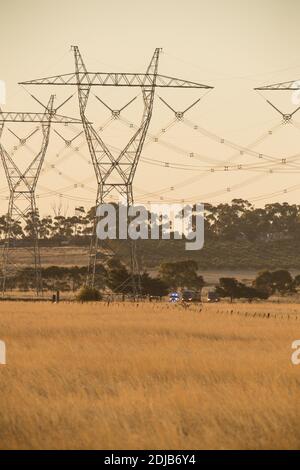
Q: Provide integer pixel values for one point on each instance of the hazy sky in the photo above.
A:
(229, 44)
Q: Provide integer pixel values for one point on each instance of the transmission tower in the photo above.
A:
(22, 186)
(115, 173)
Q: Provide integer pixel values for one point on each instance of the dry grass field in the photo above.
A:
(150, 376)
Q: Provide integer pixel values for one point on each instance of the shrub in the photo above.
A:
(88, 294)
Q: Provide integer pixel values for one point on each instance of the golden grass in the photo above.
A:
(148, 377)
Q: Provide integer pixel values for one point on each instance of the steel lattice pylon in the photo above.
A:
(22, 186)
(110, 168)
(115, 173)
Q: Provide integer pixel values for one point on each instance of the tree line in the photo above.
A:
(229, 221)
(115, 277)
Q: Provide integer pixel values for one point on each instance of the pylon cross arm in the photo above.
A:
(291, 85)
(36, 117)
(116, 79)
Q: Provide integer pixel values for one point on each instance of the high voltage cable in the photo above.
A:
(198, 177)
(229, 143)
(185, 166)
(220, 168)
(242, 151)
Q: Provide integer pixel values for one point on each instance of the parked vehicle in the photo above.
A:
(191, 296)
(212, 296)
(174, 297)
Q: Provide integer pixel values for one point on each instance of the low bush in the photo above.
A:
(88, 294)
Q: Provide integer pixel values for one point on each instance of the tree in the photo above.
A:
(118, 277)
(283, 281)
(2, 226)
(153, 286)
(279, 281)
(230, 287)
(251, 293)
(32, 223)
(16, 229)
(181, 274)
(263, 281)
(45, 227)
